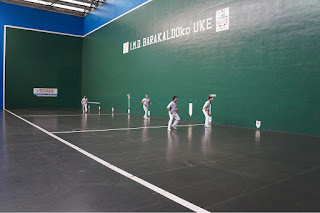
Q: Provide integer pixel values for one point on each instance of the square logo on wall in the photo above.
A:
(222, 19)
(125, 48)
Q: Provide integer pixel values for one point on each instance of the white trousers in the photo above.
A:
(84, 108)
(206, 123)
(176, 117)
(145, 108)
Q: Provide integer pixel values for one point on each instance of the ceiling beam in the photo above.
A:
(69, 4)
(51, 7)
(44, 7)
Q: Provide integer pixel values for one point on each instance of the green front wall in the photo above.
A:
(42, 60)
(265, 67)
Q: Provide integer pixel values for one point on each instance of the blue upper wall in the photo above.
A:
(107, 12)
(21, 16)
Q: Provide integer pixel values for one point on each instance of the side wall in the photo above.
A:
(20, 16)
(42, 60)
(265, 67)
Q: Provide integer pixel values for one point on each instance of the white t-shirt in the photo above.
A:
(207, 105)
(84, 100)
(146, 101)
(172, 106)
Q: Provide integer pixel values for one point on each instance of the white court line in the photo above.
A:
(154, 188)
(120, 129)
(24, 116)
(43, 31)
(4, 68)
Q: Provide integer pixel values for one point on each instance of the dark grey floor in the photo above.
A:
(218, 169)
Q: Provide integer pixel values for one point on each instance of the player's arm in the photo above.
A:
(205, 108)
(168, 108)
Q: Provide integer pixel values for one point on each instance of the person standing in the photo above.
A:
(146, 102)
(84, 103)
(205, 110)
(172, 109)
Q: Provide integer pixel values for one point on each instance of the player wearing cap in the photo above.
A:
(205, 110)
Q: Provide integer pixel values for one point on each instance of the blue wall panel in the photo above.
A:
(107, 12)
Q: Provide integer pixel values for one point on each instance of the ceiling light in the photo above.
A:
(39, 2)
(78, 3)
(68, 7)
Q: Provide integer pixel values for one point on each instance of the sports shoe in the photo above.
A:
(169, 129)
(174, 127)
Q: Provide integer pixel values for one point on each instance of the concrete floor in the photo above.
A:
(218, 169)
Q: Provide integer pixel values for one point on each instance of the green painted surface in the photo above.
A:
(265, 67)
(42, 60)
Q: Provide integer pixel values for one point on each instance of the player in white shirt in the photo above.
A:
(84, 103)
(146, 102)
(205, 110)
(172, 108)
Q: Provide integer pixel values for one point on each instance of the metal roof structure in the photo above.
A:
(71, 7)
